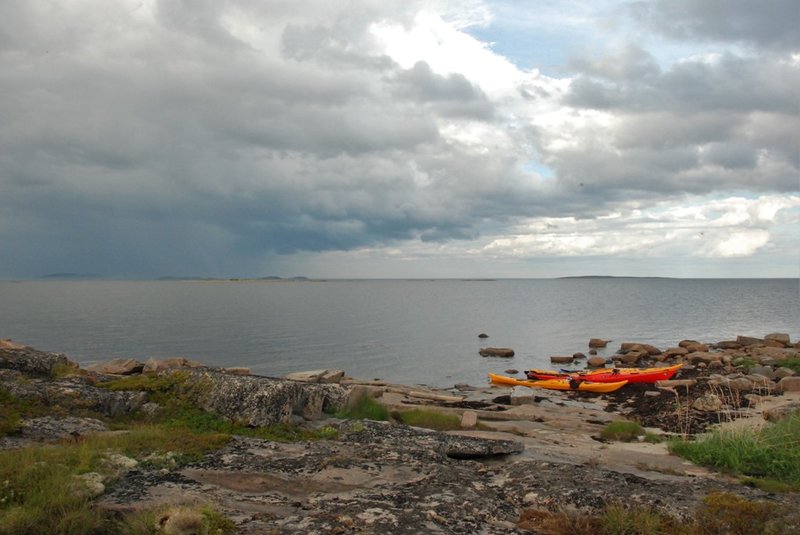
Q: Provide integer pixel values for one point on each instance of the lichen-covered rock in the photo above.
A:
(52, 428)
(261, 401)
(28, 360)
(74, 393)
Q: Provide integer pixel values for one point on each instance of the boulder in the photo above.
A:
(596, 362)
(10, 344)
(631, 357)
(674, 352)
(117, 367)
(749, 340)
(260, 401)
(240, 371)
(316, 376)
(52, 428)
(597, 343)
(707, 403)
(789, 384)
(765, 371)
(637, 346)
(512, 371)
(160, 365)
(496, 352)
(693, 346)
(469, 419)
(774, 414)
(32, 361)
(782, 372)
(671, 384)
(704, 357)
(783, 338)
(728, 344)
(578, 355)
(561, 359)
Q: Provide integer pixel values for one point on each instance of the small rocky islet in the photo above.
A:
(518, 449)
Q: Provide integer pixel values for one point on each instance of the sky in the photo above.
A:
(400, 139)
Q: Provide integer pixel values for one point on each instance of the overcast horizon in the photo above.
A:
(400, 140)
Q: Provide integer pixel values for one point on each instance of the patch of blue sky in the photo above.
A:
(532, 166)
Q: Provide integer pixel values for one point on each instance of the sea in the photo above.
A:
(403, 331)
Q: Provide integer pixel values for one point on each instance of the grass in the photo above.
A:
(769, 453)
(622, 431)
(719, 514)
(40, 494)
(745, 362)
(430, 419)
(792, 363)
(366, 409)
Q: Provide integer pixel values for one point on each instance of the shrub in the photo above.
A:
(622, 430)
(430, 419)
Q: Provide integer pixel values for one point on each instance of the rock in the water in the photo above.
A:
(560, 359)
(597, 343)
(483, 335)
(578, 355)
(496, 352)
(596, 362)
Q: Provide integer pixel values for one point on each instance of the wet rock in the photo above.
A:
(496, 352)
(557, 359)
(578, 355)
(630, 358)
(597, 343)
(728, 344)
(117, 367)
(512, 371)
(483, 335)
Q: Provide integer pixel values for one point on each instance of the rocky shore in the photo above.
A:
(517, 450)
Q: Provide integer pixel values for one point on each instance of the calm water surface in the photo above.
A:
(404, 331)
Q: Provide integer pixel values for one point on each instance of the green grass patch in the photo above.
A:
(744, 362)
(792, 363)
(733, 515)
(619, 520)
(40, 494)
(622, 431)
(430, 419)
(366, 409)
(772, 452)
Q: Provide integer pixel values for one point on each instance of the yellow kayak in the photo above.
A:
(557, 384)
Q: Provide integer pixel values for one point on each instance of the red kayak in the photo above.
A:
(611, 375)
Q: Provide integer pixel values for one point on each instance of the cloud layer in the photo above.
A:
(150, 137)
